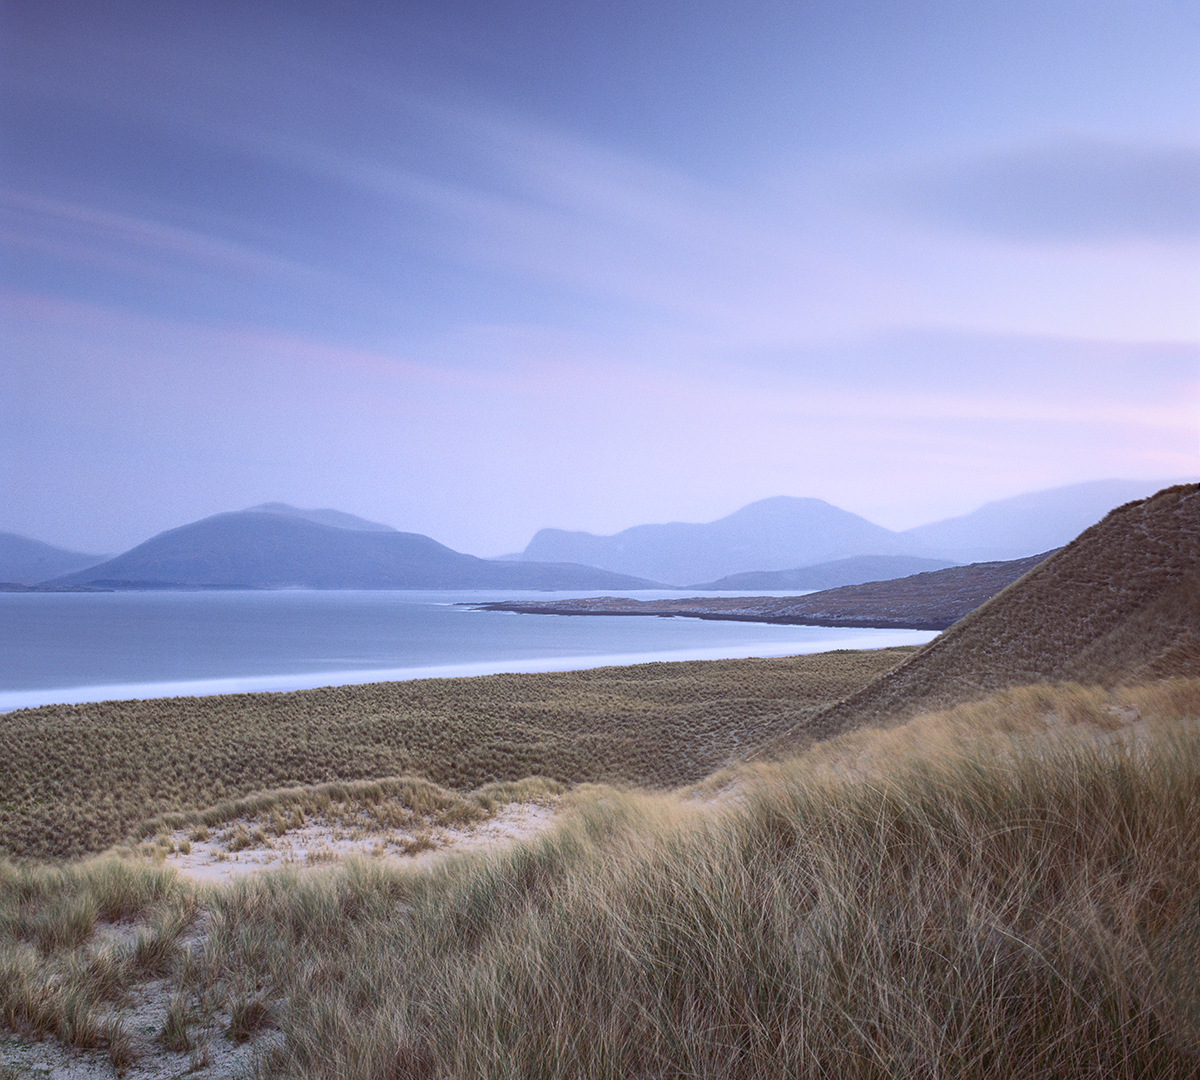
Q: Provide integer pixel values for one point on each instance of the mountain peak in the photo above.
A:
(25, 561)
(336, 519)
(777, 533)
(270, 548)
(1033, 521)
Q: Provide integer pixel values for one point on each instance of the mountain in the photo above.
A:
(773, 534)
(786, 535)
(272, 548)
(1037, 521)
(1119, 604)
(337, 518)
(830, 575)
(774, 544)
(25, 562)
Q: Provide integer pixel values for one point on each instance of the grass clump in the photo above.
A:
(61, 973)
(239, 840)
(122, 1052)
(247, 1017)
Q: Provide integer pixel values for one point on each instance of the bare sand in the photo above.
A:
(321, 844)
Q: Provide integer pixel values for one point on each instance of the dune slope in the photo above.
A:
(1119, 604)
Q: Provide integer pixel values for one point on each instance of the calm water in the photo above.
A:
(73, 647)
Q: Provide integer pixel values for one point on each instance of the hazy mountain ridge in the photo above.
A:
(24, 561)
(786, 535)
(855, 570)
(1034, 521)
(265, 548)
(337, 519)
(780, 533)
(773, 544)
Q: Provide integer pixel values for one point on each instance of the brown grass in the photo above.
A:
(1009, 888)
(78, 779)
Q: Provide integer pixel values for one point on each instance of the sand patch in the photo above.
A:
(139, 1015)
(212, 1055)
(248, 845)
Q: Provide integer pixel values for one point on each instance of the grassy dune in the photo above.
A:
(1009, 888)
(1117, 605)
(77, 779)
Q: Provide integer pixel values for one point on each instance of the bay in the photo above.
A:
(62, 648)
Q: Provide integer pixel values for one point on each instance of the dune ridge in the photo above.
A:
(1120, 604)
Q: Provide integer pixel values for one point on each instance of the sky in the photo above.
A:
(471, 269)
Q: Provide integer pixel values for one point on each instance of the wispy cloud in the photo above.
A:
(815, 260)
(84, 233)
(570, 214)
(1076, 190)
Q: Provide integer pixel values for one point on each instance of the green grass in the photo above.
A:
(1010, 888)
(77, 779)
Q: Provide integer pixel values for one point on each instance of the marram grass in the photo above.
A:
(1012, 889)
(76, 779)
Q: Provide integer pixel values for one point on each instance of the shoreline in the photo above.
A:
(653, 610)
(94, 693)
(931, 601)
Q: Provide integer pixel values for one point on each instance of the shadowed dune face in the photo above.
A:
(1119, 604)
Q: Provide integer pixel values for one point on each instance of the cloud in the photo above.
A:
(1081, 191)
(566, 223)
(87, 234)
(643, 241)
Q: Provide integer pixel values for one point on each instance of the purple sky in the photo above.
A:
(471, 269)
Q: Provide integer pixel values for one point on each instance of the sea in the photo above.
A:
(68, 648)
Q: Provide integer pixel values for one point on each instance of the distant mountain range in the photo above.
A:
(26, 562)
(277, 547)
(1038, 521)
(776, 544)
(830, 575)
(774, 534)
(790, 534)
